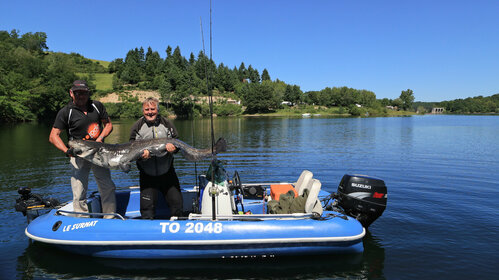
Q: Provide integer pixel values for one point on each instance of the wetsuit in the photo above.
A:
(157, 173)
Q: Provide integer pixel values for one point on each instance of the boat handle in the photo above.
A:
(116, 215)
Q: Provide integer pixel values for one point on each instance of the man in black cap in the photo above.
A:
(85, 119)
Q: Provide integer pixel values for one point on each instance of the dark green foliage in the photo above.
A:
(85, 65)
(478, 104)
(227, 110)
(129, 108)
(424, 106)
(242, 73)
(34, 42)
(115, 66)
(180, 81)
(385, 102)
(355, 111)
(397, 102)
(265, 75)
(407, 97)
(342, 96)
(259, 98)
(293, 94)
(253, 75)
(133, 67)
(33, 84)
(153, 64)
(125, 110)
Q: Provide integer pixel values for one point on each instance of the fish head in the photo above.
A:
(82, 149)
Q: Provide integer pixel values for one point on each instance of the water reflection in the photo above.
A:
(441, 172)
(40, 260)
(374, 257)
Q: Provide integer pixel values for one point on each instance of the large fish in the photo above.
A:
(121, 155)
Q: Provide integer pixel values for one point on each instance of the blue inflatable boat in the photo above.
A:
(222, 219)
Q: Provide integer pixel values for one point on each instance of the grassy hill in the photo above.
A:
(104, 81)
(102, 62)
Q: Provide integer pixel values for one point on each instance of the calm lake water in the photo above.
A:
(443, 195)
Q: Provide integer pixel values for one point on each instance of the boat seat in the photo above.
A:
(313, 204)
(304, 181)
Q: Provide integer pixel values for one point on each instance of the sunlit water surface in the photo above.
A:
(441, 172)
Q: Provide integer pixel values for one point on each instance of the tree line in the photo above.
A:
(180, 81)
(472, 105)
(34, 84)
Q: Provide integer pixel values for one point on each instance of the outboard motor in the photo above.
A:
(362, 197)
(29, 203)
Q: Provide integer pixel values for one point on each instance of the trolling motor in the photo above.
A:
(29, 203)
(361, 197)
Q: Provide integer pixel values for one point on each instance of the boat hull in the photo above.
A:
(184, 239)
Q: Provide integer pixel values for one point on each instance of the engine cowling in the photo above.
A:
(362, 197)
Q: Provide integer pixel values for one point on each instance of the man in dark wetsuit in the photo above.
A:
(156, 173)
(85, 119)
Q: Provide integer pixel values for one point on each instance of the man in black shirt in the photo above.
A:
(85, 119)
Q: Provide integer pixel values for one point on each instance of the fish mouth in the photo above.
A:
(74, 144)
(78, 147)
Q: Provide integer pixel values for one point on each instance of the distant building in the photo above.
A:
(232, 101)
(358, 105)
(289, 103)
(437, 110)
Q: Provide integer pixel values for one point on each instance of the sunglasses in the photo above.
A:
(78, 93)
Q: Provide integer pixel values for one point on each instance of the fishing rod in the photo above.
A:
(210, 92)
(208, 79)
(196, 203)
(213, 192)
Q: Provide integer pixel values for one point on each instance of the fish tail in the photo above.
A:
(220, 146)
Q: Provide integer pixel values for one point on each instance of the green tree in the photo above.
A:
(178, 59)
(397, 102)
(242, 73)
(279, 88)
(115, 66)
(292, 94)
(253, 75)
(407, 97)
(33, 84)
(386, 102)
(265, 75)
(132, 70)
(259, 98)
(153, 63)
(313, 97)
(34, 41)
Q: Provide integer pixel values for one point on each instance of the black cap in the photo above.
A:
(80, 85)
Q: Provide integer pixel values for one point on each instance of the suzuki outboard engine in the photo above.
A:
(362, 197)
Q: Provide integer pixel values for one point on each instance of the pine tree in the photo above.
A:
(265, 75)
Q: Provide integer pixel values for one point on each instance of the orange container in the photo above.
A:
(277, 190)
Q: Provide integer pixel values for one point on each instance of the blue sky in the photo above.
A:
(442, 50)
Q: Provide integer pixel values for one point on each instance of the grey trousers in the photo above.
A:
(79, 185)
